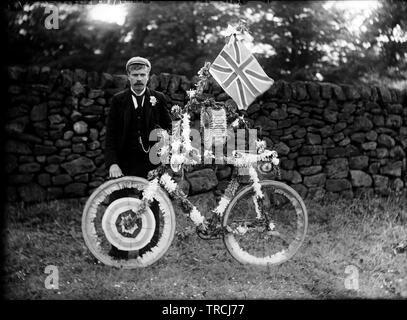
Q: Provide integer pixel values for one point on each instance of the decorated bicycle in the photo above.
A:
(262, 222)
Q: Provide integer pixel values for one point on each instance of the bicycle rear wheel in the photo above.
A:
(272, 237)
(109, 221)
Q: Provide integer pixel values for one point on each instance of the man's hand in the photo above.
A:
(115, 171)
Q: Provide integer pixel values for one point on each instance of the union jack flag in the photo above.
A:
(238, 72)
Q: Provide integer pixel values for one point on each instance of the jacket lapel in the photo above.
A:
(128, 107)
(148, 110)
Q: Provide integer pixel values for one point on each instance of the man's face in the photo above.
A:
(138, 78)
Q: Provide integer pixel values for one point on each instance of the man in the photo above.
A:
(133, 114)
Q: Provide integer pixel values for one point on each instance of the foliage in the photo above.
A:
(301, 40)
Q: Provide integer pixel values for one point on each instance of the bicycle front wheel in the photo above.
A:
(109, 221)
(267, 232)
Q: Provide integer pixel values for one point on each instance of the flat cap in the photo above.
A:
(138, 60)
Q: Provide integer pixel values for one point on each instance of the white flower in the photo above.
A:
(175, 108)
(191, 93)
(196, 216)
(153, 100)
(241, 229)
(169, 184)
(222, 206)
(151, 190)
(275, 161)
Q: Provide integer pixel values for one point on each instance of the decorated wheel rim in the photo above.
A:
(245, 256)
(117, 229)
(103, 225)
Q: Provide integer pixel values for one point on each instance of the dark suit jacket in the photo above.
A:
(118, 122)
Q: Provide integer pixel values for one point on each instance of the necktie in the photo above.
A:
(138, 98)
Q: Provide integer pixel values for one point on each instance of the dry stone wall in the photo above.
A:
(336, 139)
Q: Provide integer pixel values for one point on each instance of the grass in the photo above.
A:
(358, 232)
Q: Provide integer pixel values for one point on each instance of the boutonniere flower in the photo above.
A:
(153, 100)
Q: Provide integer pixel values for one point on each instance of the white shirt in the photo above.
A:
(134, 98)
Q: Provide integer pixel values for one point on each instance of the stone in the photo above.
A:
(350, 92)
(338, 137)
(319, 159)
(287, 164)
(16, 73)
(106, 80)
(80, 127)
(371, 145)
(395, 109)
(78, 89)
(330, 115)
(300, 133)
(278, 114)
(374, 167)
(19, 178)
(337, 152)
(62, 143)
(359, 162)
(75, 189)
(307, 171)
(360, 178)
(204, 202)
(265, 123)
(316, 193)
(41, 150)
(61, 179)
(337, 185)
(311, 150)
(340, 126)
(313, 138)
(282, 149)
(29, 167)
(384, 94)
(362, 123)
(304, 161)
(78, 148)
(326, 131)
(120, 81)
(344, 142)
(337, 168)
(79, 165)
(386, 141)
(224, 173)
(378, 120)
(394, 121)
(371, 135)
(392, 169)
(39, 112)
(315, 180)
(348, 107)
(44, 179)
(380, 182)
(183, 185)
(95, 93)
(397, 153)
(253, 108)
(382, 153)
(358, 137)
(68, 135)
(202, 180)
(326, 90)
